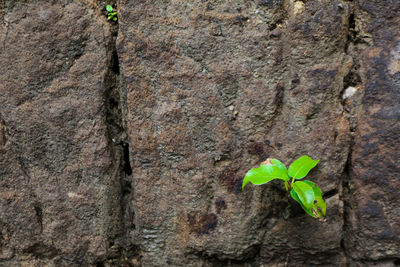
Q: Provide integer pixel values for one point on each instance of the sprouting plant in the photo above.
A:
(111, 14)
(306, 193)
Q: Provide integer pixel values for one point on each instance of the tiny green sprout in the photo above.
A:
(305, 192)
(111, 14)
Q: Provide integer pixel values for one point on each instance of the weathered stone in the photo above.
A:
(190, 148)
(131, 152)
(374, 216)
(59, 192)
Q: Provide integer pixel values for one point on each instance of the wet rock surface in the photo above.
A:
(126, 144)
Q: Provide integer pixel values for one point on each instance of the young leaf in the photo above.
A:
(109, 8)
(316, 189)
(312, 184)
(279, 164)
(301, 166)
(296, 197)
(264, 174)
(305, 193)
(319, 207)
(115, 19)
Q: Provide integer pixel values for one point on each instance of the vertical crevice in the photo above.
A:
(115, 111)
(344, 197)
(348, 81)
(115, 62)
(118, 143)
(127, 164)
(351, 30)
(351, 102)
(39, 216)
(3, 139)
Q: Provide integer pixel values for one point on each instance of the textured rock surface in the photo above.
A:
(374, 179)
(210, 93)
(131, 151)
(59, 186)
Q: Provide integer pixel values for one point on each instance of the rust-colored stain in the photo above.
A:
(256, 148)
(220, 204)
(231, 180)
(202, 224)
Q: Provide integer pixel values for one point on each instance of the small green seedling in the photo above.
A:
(111, 14)
(306, 193)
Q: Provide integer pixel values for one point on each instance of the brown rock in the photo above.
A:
(183, 84)
(131, 151)
(59, 193)
(374, 224)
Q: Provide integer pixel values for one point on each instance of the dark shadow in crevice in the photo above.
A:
(351, 31)
(331, 193)
(345, 197)
(39, 216)
(127, 163)
(115, 63)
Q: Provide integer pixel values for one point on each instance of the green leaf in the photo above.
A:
(312, 184)
(264, 174)
(301, 166)
(319, 207)
(305, 193)
(279, 164)
(109, 8)
(296, 197)
(109, 17)
(115, 19)
(316, 189)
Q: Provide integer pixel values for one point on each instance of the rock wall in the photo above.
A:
(125, 144)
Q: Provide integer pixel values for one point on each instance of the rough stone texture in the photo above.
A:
(374, 179)
(211, 93)
(130, 151)
(59, 180)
